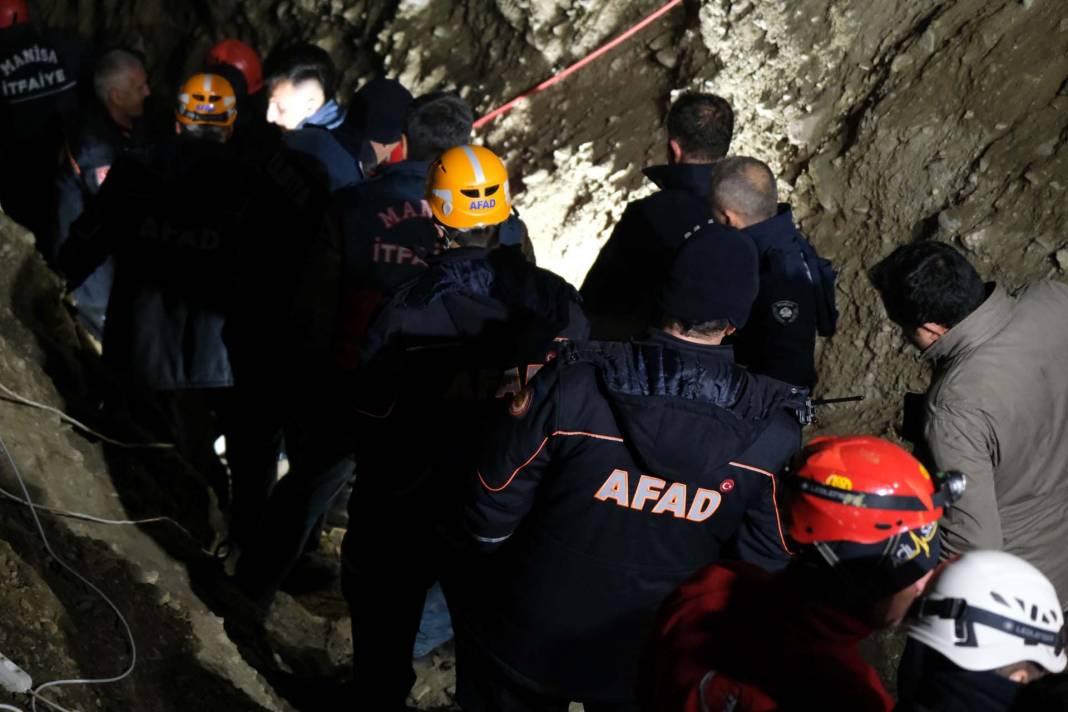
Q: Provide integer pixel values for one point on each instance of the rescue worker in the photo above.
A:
(596, 477)
(393, 202)
(796, 298)
(177, 226)
(987, 626)
(111, 127)
(995, 406)
(38, 101)
(864, 514)
(621, 288)
(301, 81)
(387, 224)
(439, 360)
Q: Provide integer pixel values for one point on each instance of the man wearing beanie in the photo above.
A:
(862, 515)
(373, 129)
(620, 470)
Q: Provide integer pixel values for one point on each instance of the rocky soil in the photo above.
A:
(887, 122)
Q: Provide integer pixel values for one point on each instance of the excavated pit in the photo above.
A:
(888, 122)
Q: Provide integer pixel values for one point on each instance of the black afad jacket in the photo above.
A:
(623, 468)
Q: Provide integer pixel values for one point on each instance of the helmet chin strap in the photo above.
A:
(856, 585)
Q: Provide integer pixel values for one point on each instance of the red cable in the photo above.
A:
(577, 65)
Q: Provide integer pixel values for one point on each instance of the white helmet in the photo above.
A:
(989, 609)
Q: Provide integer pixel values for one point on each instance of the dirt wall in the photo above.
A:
(887, 122)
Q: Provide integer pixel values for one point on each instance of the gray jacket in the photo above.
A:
(997, 410)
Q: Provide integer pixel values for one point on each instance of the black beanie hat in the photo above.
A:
(714, 276)
(379, 110)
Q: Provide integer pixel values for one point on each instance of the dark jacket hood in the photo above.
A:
(689, 177)
(669, 396)
(539, 301)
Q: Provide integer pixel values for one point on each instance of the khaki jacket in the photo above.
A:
(997, 410)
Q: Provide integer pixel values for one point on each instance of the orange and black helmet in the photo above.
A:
(206, 100)
(467, 188)
(864, 489)
(241, 56)
(870, 510)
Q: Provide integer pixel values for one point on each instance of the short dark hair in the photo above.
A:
(437, 122)
(745, 186)
(927, 282)
(204, 132)
(702, 124)
(299, 63)
(704, 329)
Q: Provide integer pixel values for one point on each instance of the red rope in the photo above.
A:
(559, 76)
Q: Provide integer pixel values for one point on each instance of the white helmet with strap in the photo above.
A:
(989, 609)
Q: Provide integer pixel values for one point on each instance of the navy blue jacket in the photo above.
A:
(387, 234)
(315, 136)
(177, 226)
(621, 289)
(795, 302)
(447, 351)
(623, 469)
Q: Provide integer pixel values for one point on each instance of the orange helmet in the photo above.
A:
(206, 100)
(13, 12)
(865, 490)
(236, 53)
(467, 187)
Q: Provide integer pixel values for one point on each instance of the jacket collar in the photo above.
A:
(721, 352)
(690, 177)
(329, 116)
(406, 168)
(460, 254)
(991, 317)
(778, 231)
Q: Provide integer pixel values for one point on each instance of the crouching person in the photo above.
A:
(864, 514)
(989, 624)
(620, 470)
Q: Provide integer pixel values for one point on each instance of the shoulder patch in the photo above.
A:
(521, 403)
(785, 311)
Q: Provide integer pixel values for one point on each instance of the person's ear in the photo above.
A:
(729, 330)
(177, 128)
(675, 151)
(728, 218)
(1020, 675)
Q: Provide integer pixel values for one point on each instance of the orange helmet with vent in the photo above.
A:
(13, 12)
(467, 187)
(864, 489)
(206, 100)
(241, 56)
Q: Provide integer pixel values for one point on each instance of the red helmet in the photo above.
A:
(863, 489)
(13, 12)
(240, 55)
